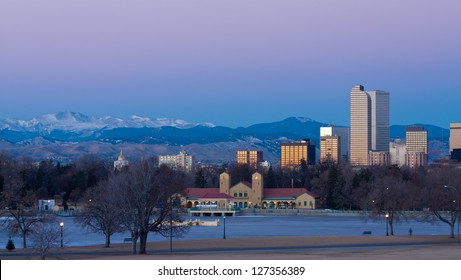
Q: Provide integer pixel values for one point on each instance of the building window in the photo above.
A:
(235, 194)
(240, 194)
(305, 203)
(245, 194)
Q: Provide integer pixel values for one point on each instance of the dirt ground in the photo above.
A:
(283, 248)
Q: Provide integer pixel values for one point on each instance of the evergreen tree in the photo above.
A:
(200, 180)
(10, 245)
(270, 181)
(335, 186)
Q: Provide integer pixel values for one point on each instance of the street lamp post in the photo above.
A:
(387, 224)
(457, 208)
(61, 225)
(224, 223)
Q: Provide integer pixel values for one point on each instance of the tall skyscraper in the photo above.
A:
(416, 147)
(291, 153)
(252, 158)
(379, 120)
(369, 119)
(455, 136)
(343, 133)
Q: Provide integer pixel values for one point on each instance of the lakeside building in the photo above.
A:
(343, 133)
(416, 142)
(181, 161)
(121, 162)
(249, 195)
(291, 153)
(369, 123)
(252, 158)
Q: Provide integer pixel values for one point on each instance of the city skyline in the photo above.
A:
(200, 61)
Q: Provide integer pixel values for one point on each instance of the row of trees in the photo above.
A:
(379, 189)
(143, 198)
(140, 199)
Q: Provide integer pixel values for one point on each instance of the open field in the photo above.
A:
(288, 248)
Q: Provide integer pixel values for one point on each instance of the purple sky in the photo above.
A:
(230, 62)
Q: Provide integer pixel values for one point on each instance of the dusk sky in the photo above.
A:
(230, 62)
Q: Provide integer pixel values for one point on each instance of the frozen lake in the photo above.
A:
(258, 226)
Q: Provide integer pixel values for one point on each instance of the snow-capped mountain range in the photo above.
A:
(67, 135)
(76, 122)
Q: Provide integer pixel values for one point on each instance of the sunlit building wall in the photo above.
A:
(455, 136)
(343, 133)
(252, 158)
(369, 120)
(330, 149)
(416, 139)
(291, 153)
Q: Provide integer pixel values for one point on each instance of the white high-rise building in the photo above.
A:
(181, 161)
(397, 150)
(369, 121)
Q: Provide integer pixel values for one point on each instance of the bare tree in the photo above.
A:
(45, 236)
(100, 213)
(387, 198)
(440, 203)
(148, 199)
(18, 204)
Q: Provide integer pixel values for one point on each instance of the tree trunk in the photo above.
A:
(24, 244)
(142, 242)
(452, 230)
(391, 227)
(134, 240)
(107, 245)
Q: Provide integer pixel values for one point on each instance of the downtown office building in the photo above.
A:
(369, 124)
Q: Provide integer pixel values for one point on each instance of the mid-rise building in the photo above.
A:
(455, 136)
(416, 142)
(369, 120)
(181, 161)
(291, 153)
(330, 149)
(252, 158)
(379, 158)
(397, 150)
(416, 159)
(343, 133)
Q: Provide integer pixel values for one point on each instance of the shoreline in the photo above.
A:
(283, 247)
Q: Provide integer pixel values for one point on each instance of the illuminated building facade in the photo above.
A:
(252, 158)
(291, 153)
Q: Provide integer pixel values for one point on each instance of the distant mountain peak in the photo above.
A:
(304, 119)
